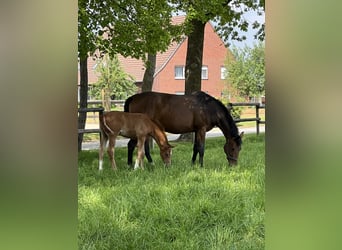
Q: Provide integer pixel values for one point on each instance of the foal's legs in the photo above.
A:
(131, 146)
(111, 149)
(103, 142)
(140, 159)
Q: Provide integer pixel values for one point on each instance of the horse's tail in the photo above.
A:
(127, 103)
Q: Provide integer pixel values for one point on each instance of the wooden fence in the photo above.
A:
(87, 110)
(95, 107)
(257, 118)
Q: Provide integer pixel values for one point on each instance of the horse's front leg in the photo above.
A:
(131, 146)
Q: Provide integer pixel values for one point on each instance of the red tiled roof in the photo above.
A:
(136, 68)
(178, 20)
(132, 66)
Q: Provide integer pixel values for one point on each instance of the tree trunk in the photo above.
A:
(194, 55)
(148, 80)
(193, 65)
(149, 73)
(83, 98)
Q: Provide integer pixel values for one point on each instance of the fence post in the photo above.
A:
(257, 117)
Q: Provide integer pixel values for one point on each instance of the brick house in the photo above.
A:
(170, 65)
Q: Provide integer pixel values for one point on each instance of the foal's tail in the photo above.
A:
(102, 125)
(127, 103)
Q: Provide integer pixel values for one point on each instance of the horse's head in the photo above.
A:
(165, 153)
(232, 149)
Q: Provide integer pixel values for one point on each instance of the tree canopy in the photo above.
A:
(135, 28)
(228, 15)
(129, 27)
(246, 71)
(112, 81)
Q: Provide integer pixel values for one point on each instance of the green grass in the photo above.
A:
(182, 207)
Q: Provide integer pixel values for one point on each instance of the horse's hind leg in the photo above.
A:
(131, 146)
(199, 146)
(147, 149)
(201, 153)
(195, 152)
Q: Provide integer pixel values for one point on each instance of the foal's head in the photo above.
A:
(165, 153)
(232, 149)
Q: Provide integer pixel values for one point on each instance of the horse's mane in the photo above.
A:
(206, 99)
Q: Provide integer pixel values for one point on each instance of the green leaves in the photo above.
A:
(113, 79)
(130, 28)
(134, 28)
(247, 71)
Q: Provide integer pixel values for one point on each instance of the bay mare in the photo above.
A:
(137, 126)
(178, 114)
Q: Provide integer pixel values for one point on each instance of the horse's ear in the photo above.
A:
(241, 134)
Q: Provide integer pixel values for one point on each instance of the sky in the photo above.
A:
(251, 17)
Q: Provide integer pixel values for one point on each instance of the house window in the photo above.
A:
(179, 72)
(224, 73)
(204, 72)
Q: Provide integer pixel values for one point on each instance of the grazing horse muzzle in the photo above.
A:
(232, 149)
(232, 160)
(166, 154)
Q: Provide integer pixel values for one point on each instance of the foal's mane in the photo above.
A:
(207, 100)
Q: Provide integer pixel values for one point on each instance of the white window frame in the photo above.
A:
(224, 73)
(183, 72)
(204, 73)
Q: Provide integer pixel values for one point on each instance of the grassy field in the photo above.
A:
(182, 207)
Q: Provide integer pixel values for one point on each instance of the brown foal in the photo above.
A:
(131, 125)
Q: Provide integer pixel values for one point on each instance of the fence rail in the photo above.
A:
(257, 118)
(98, 103)
(86, 110)
(99, 109)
